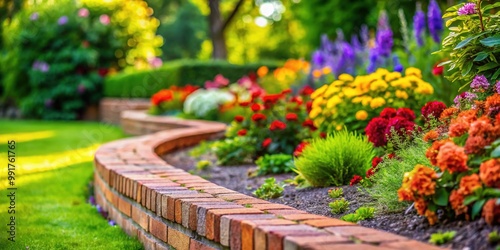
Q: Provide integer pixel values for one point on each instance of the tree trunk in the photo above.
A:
(217, 31)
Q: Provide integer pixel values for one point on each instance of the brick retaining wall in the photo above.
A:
(164, 206)
(110, 108)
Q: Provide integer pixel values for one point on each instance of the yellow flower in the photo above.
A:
(339, 127)
(350, 92)
(317, 102)
(314, 112)
(331, 90)
(413, 71)
(401, 94)
(424, 89)
(317, 73)
(346, 78)
(262, 71)
(361, 115)
(319, 91)
(378, 85)
(332, 102)
(357, 99)
(326, 70)
(377, 102)
(401, 83)
(318, 121)
(381, 72)
(337, 83)
(392, 76)
(387, 94)
(366, 100)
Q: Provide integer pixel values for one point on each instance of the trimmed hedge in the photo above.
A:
(143, 84)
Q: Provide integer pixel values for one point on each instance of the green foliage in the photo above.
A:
(234, 151)
(270, 189)
(143, 84)
(493, 237)
(332, 161)
(274, 164)
(362, 213)
(202, 148)
(354, 218)
(442, 238)
(335, 192)
(473, 44)
(339, 206)
(202, 165)
(389, 176)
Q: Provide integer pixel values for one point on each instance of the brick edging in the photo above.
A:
(163, 205)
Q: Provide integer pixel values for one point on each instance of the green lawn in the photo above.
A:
(53, 168)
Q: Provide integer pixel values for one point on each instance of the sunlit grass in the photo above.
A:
(51, 208)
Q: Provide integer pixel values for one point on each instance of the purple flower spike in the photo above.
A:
(467, 9)
(435, 21)
(397, 65)
(419, 25)
(62, 20)
(479, 83)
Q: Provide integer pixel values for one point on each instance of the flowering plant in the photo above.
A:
(465, 154)
(170, 100)
(351, 102)
(276, 122)
(292, 73)
(473, 43)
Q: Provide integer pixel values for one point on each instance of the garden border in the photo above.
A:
(164, 206)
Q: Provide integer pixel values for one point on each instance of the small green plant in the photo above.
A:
(365, 213)
(270, 189)
(234, 151)
(442, 238)
(339, 206)
(274, 164)
(354, 218)
(335, 192)
(493, 237)
(202, 148)
(202, 165)
(332, 161)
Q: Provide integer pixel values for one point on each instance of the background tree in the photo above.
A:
(218, 26)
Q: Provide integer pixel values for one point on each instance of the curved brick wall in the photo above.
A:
(164, 206)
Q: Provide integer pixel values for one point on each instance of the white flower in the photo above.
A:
(203, 101)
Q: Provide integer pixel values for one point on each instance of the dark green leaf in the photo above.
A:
(496, 152)
(488, 66)
(464, 42)
(497, 73)
(481, 56)
(441, 197)
(476, 208)
(491, 41)
(491, 192)
(467, 67)
(469, 199)
(490, 6)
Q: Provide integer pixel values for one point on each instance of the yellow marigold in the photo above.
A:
(468, 184)
(361, 115)
(378, 85)
(337, 83)
(339, 127)
(413, 71)
(380, 72)
(402, 83)
(346, 77)
(330, 91)
(317, 122)
(357, 99)
(333, 101)
(317, 73)
(401, 94)
(315, 112)
(424, 89)
(350, 92)
(317, 102)
(326, 70)
(431, 217)
(392, 76)
(387, 94)
(377, 102)
(319, 91)
(262, 71)
(366, 100)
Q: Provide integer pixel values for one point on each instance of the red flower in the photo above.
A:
(239, 118)
(242, 132)
(300, 148)
(370, 172)
(277, 125)
(271, 98)
(391, 155)
(433, 108)
(244, 104)
(307, 90)
(388, 113)
(309, 124)
(406, 113)
(291, 117)
(401, 125)
(309, 106)
(297, 99)
(256, 93)
(103, 72)
(258, 117)
(376, 160)
(322, 135)
(266, 142)
(375, 130)
(286, 91)
(255, 107)
(437, 70)
(355, 180)
(162, 96)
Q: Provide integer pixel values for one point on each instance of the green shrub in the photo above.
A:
(442, 238)
(274, 164)
(335, 159)
(270, 189)
(335, 192)
(354, 218)
(339, 206)
(143, 84)
(389, 176)
(234, 151)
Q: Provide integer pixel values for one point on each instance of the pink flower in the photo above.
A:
(104, 19)
(467, 9)
(83, 12)
(219, 82)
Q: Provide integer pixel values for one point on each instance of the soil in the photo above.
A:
(471, 235)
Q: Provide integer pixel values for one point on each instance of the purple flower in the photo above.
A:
(40, 66)
(434, 20)
(464, 97)
(81, 88)
(467, 9)
(62, 20)
(479, 82)
(155, 62)
(99, 208)
(104, 19)
(112, 223)
(419, 25)
(83, 12)
(92, 200)
(49, 103)
(497, 87)
(34, 16)
(383, 39)
(397, 65)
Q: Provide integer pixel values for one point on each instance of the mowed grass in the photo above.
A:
(51, 211)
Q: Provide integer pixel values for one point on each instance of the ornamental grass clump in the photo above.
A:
(335, 159)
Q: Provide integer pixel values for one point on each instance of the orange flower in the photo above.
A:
(433, 151)
(417, 183)
(448, 113)
(452, 158)
(162, 96)
(489, 172)
(458, 129)
(492, 105)
(262, 71)
(431, 217)
(468, 184)
(457, 202)
(432, 135)
(317, 73)
(475, 144)
(491, 211)
(420, 206)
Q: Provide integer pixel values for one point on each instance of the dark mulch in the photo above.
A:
(470, 235)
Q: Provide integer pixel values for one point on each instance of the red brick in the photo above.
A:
(124, 207)
(168, 202)
(233, 197)
(271, 237)
(252, 201)
(196, 245)
(351, 230)
(301, 217)
(330, 246)
(321, 223)
(158, 229)
(140, 217)
(301, 242)
(179, 202)
(230, 228)
(271, 206)
(190, 211)
(409, 244)
(213, 220)
(178, 240)
(146, 240)
(379, 237)
(283, 212)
